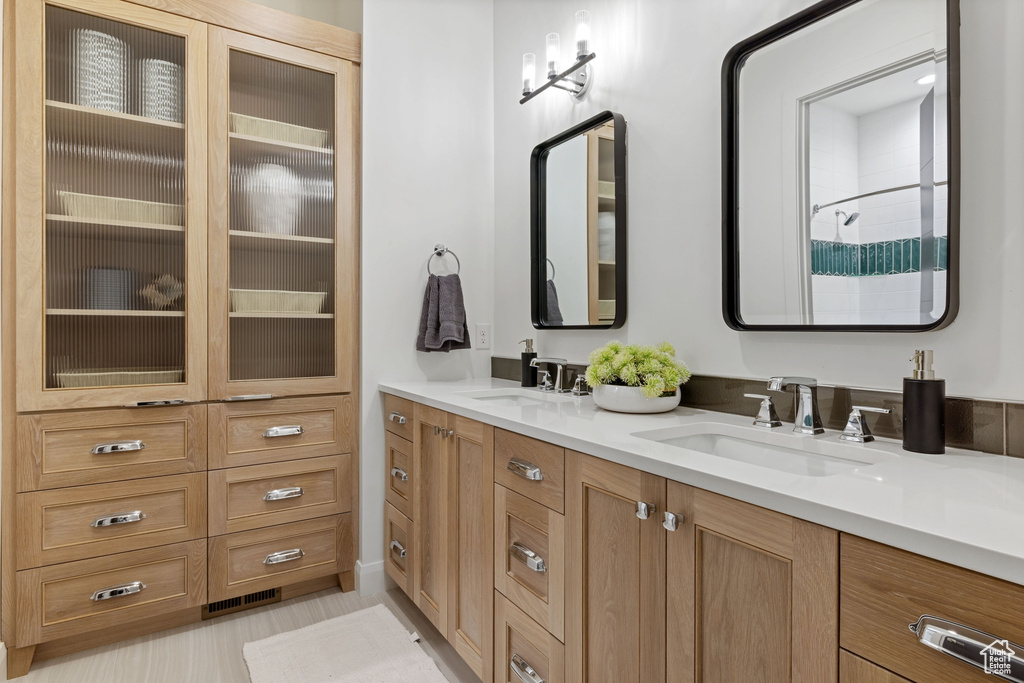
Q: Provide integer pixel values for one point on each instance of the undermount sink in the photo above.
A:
(516, 397)
(809, 456)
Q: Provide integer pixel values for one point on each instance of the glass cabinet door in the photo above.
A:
(110, 216)
(281, 231)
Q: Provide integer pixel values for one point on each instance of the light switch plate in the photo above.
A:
(483, 335)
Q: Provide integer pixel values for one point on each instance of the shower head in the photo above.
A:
(850, 218)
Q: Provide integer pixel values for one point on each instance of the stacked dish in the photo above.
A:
(160, 94)
(275, 301)
(276, 130)
(99, 70)
(116, 208)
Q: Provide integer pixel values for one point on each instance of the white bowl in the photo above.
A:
(632, 400)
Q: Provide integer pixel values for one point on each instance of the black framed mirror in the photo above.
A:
(578, 226)
(841, 186)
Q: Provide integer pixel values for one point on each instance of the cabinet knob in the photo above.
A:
(645, 510)
(672, 521)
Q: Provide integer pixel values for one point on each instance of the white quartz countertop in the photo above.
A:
(964, 507)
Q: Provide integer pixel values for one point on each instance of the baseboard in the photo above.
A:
(370, 578)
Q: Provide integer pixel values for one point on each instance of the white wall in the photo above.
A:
(659, 64)
(344, 13)
(428, 139)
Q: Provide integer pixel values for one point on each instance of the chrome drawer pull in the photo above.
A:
(523, 670)
(282, 494)
(399, 474)
(996, 656)
(154, 404)
(397, 547)
(284, 556)
(117, 447)
(251, 397)
(526, 470)
(120, 518)
(531, 559)
(119, 591)
(396, 416)
(283, 430)
(645, 510)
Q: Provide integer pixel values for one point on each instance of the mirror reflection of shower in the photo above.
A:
(848, 220)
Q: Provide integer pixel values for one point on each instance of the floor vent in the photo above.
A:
(257, 599)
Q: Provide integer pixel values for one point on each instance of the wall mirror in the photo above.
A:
(841, 176)
(578, 221)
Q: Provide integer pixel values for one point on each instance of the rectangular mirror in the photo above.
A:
(578, 221)
(841, 177)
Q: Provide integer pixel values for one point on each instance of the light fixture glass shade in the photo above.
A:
(554, 48)
(529, 72)
(926, 80)
(582, 33)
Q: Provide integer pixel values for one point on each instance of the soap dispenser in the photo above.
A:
(924, 408)
(529, 371)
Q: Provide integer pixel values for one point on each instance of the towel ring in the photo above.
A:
(552, 269)
(439, 251)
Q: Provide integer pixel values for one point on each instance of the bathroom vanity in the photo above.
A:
(549, 540)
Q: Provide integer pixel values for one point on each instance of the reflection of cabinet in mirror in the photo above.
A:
(601, 224)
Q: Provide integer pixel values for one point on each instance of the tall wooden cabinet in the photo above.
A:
(180, 228)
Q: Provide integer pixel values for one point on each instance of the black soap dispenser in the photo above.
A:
(529, 371)
(924, 408)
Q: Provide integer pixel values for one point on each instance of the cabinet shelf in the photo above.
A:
(276, 237)
(264, 314)
(106, 312)
(112, 223)
(59, 110)
(254, 142)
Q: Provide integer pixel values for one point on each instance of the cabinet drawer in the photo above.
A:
(96, 446)
(58, 601)
(399, 473)
(277, 556)
(884, 589)
(398, 548)
(529, 558)
(853, 669)
(243, 498)
(251, 433)
(520, 642)
(398, 414)
(529, 458)
(88, 521)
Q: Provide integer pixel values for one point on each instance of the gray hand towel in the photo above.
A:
(429, 321)
(554, 313)
(443, 318)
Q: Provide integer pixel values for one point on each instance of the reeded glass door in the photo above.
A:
(281, 293)
(120, 282)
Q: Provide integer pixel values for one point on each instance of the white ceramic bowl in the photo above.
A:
(632, 400)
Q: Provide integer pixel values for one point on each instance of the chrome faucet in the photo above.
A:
(808, 421)
(560, 364)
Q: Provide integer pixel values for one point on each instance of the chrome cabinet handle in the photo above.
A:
(118, 591)
(284, 556)
(399, 474)
(523, 670)
(119, 518)
(117, 447)
(994, 655)
(645, 510)
(396, 416)
(531, 559)
(153, 404)
(397, 548)
(251, 397)
(283, 430)
(672, 521)
(282, 494)
(526, 470)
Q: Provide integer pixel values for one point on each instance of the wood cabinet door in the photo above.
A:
(754, 593)
(470, 447)
(431, 514)
(615, 573)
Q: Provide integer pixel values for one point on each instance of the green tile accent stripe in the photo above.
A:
(892, 257)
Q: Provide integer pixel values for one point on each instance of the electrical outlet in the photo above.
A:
(483, 335)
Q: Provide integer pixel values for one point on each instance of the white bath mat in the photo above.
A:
(368, 646)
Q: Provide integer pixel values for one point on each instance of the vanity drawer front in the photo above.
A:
(57, 602)
(530, 458)
(853, 669)
(97, 446)
(529, 557)
(399, 473)
(243, 498)
(398, 548)
(398, 414)
(884, 589)
(277, 556)
(521, 642)
(62, 525)
(256, 432)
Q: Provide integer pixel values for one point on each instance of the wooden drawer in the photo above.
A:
(398, 414)
(56, 526)
(309, 488)
(57, 449)
(517, 635)
(884, 589)
(56, 602)
(853, 669)
(550, 459)
(521, 525)
(399, 473)
(398, 548)
(238, 562)
(242, 433)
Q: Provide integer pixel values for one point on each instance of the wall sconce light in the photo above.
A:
(576, 79)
